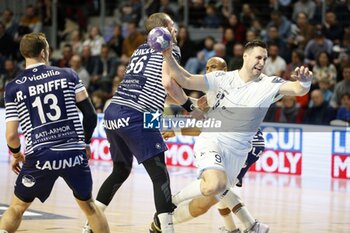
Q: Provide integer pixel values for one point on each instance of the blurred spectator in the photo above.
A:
(289, 111)
(89, 62)
(236, 61)
(251, 35)
(170, 8)
(11, 24)
(211, 18)
(31, 19)
(77, 11)
(325, 89)
(121, 68)
(257, 28)
(116, 41)
(343, 12)
(320, 113)
(332, 29)
(229, 39)
(297, 59)
(272, 37)
(196, 65)
(301, 32)
(107, 70)
(341, 88)
(130, 11)
(84, 76)
(220, 51)
(133, 40)
(237, 27)
(318, 44)
(76, 40)
(67, 54)
(196, 13)
(275, 65)
(247, 15)
(343, 112)
(7, 47)
(282, 23)
(324, 69)
(10, 73)
(306, 6)
(98, 99)
(95, 41)
(187, 46)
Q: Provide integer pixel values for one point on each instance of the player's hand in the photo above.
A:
(303, 74)
(202, 103)
(198, 114)
(88, 151)
(166, 134)
(15, 163)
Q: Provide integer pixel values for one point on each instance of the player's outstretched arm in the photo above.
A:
(300, 87)
(182, 76)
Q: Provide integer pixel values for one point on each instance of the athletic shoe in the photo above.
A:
(155, 225)
(223, 230)
(87, 229)
(258, 227)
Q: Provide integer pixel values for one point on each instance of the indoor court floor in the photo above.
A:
(286, 203)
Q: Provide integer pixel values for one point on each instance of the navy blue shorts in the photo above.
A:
(127, 137)
(41, 170)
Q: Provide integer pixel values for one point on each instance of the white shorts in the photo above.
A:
(209, 154)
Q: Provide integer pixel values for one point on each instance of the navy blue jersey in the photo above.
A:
(142, 87)
(42, 99)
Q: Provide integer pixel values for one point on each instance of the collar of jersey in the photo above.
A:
(34, 65)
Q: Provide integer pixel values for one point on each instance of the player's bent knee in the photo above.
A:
(213, 188)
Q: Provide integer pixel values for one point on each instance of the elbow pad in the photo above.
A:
(89, 118)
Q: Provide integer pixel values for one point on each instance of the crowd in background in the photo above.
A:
(296, 32)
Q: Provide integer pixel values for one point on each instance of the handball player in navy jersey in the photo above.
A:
(43, 101)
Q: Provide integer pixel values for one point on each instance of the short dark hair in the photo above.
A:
(31, 44)
(254, 43)
(156, 20)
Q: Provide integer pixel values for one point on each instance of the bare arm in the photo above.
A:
(299, 87)
(13, 141)
(183, 77)
(176, 93)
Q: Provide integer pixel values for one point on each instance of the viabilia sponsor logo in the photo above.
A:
(47, 74)
(155, 120)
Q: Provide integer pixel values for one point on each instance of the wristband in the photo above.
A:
(306, 84)
(14, 150)
(188, 105)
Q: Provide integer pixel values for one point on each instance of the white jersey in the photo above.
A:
(240, 106)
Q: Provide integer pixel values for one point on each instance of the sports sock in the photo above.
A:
(226, 215)
(234, 202)
(189, 192)
(182, 213)
(166, 222)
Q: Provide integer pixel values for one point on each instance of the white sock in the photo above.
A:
(100, 205)
(3, 231)
(232, 200)
(166, 222)
(189, 192)
(182, 213)
(228, 218)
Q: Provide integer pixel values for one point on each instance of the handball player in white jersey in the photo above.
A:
(242, 100)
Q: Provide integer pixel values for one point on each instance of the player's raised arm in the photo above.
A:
(300, 87)
(182, 76)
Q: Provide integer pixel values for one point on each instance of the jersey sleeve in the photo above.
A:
(78, 84)
(214, 79)
(11, 113)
